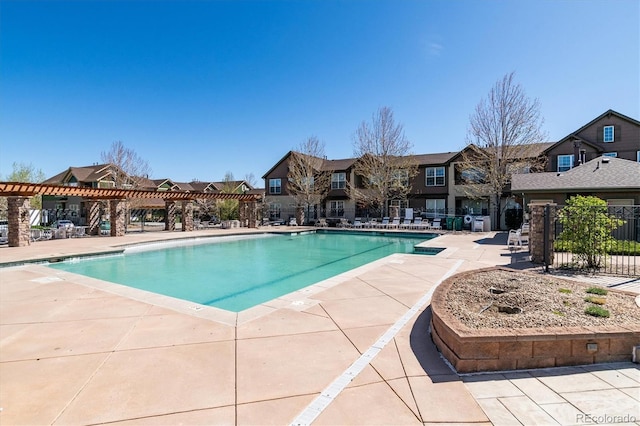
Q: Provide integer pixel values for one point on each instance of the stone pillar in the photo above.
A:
(537, 230)
(187, 216)
(19, 226)
(252, 214)
(117, 215)
(242, 213)
(93, 217)
(170, 215)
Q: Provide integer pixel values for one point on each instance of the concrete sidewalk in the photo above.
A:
(78, 350)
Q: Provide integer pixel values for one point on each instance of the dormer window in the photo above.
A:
(608, 134)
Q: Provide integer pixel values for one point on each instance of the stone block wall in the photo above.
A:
(509, 349)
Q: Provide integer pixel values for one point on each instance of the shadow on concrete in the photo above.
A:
(498, 239)
(426, 352)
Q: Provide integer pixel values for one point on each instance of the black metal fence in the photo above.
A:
(603, 239)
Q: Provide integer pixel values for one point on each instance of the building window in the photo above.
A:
(400, 178)
(565, 162)
(435, 208)
(336, 208)
(434, 176)
(274, 211)
(275, 186)
(610, 154)
(608, 134)
(338, 181)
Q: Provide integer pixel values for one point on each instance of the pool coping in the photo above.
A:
(298, 300)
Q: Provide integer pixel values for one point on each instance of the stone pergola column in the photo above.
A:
(117, 210)
(248, 214)
(187, 216)
(170, 215)
(19, 226)
(93, 216)
(537, 230)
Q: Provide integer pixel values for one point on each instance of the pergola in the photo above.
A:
(19, 194)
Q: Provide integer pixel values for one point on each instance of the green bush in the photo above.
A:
(586, 230)
(597, 311)
(597, 290)
(564, 290)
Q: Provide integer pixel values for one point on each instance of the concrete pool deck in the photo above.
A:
(75, 351)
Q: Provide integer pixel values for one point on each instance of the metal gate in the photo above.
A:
(604, 239)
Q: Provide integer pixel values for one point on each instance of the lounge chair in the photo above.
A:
(357, 223)
(373, 223)
(406, 223)
(395, 223)
(293, 222)
(384, 223)
(436, 224)
(417, 223)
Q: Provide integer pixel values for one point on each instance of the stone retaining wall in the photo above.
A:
(471, 350)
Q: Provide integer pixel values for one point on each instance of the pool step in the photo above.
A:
(431, 251)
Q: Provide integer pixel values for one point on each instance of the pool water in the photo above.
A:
(240, 273)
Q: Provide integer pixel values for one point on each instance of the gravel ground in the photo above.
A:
(543, 304)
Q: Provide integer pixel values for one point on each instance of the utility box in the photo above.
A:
(486, 223)
(477, 225)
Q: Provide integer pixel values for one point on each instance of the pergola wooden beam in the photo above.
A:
(30, 189)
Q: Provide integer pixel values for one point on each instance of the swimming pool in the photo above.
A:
(237, 273)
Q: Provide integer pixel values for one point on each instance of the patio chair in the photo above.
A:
(373, 223)
(293, 222)
(344, 223)
(417, 223)
(514, 238)
(395, 223)
(357, 223)
(322, 222)
(406, 223)
(436, 224)
(384, 223)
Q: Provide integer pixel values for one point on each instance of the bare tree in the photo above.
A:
(384, 162)
(251, 179)
(503, 139)
(128, 169)
(309, 181)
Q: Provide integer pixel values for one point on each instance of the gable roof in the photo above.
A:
(92, 173)
(601, 173)
(599, 147)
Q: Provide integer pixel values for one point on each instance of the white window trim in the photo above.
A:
(279, 186)
(565, 156)
(435, 176)
(339, 180)
(604, 133)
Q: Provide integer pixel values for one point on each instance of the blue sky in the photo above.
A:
(201, 88)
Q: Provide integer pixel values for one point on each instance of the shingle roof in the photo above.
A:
(601, 173)
(82, 174)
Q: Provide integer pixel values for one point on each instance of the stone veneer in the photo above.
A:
(18, 215)
(117, 217)
(470, 350)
